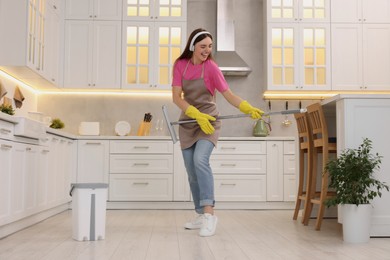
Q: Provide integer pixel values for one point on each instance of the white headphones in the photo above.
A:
(192, 44)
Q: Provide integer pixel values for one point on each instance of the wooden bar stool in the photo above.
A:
(321, 145)
(305, 145)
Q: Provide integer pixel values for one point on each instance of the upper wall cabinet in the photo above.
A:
(92, 54)
(360, 11)
(26, 43)
(150, 49)
(360, 45)
(298, 11)
(158, 10)
(298, 45)
(94, 9)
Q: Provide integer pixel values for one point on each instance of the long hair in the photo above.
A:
(187, 54)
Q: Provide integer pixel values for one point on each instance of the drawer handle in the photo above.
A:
(141, 164)
(6, 146)
(45, 151)
(93, 143)
(5, 131)
(228, 164)
(228, 184)
(228, 148)
(141, 147)
(28, 149)
(141, 183)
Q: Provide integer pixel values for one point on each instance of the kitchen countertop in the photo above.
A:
(59, 132)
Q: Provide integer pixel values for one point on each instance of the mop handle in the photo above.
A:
(283, 112)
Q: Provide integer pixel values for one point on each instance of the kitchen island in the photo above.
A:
(354, 117)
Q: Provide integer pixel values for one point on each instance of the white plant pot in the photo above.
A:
(356, 223)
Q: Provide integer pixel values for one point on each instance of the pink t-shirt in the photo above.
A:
(213, 77)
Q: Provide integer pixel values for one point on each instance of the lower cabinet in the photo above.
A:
(92, 161)
(141, 170)
(239, 169)
(34, 177)
(153, 170)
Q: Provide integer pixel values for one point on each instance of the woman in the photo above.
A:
(195, 78)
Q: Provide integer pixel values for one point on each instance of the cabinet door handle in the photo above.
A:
(141, 183)
(28, 149)
(228, 164)
(5, 131)
(228, 184)
(93, 143)
(6, 146)
(141, 164)
(45, 151)
(228, 148)
(141, 147)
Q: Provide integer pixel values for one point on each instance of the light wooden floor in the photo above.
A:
(158, 235)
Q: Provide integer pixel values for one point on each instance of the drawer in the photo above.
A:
(289, 164)
(141, 147)
(238, 164)
(289, 147)
(140, 187)
(236, 147)
(6, 130)
(123, 163)
(240, 188)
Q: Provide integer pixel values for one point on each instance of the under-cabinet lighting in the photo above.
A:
(17, 81)
(148, 93)
(312, 95)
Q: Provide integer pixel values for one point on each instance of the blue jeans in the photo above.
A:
(200, 177)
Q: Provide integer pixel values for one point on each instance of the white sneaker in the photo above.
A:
(196, 223)
(209, 225)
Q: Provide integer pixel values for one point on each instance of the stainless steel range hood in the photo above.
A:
(230, 63)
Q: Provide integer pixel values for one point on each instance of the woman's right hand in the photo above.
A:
(202, 119)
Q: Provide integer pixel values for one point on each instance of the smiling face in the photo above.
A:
(202, 50)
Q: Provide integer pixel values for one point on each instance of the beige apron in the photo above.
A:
(196, 94)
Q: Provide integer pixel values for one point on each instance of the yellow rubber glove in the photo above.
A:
(246, 108)
(202, 119)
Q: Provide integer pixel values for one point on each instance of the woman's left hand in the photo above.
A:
(247, 108)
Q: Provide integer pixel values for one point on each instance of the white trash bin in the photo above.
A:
(89, 210)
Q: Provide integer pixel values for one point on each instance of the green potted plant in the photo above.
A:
(7, 109)
(56, 123)
(352, 177)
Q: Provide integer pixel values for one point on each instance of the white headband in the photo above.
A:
(192, 44)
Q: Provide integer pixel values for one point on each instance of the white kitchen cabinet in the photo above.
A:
(42, 177)
(239, 170)
(161, 10)
(298, 56)
(6, 130)
(92, 54)
(53, 36)
(360, 11)
(17, 181)
(275, 171)
(360, 56)
(181, 187)
(93, 161)
(141, 170)
(298, 10)
(6, 150)
(150, 49)
(289, 171)
(30, 177)
(94, 9)
(25, 52)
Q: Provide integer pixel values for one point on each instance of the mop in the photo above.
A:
(172, 131)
